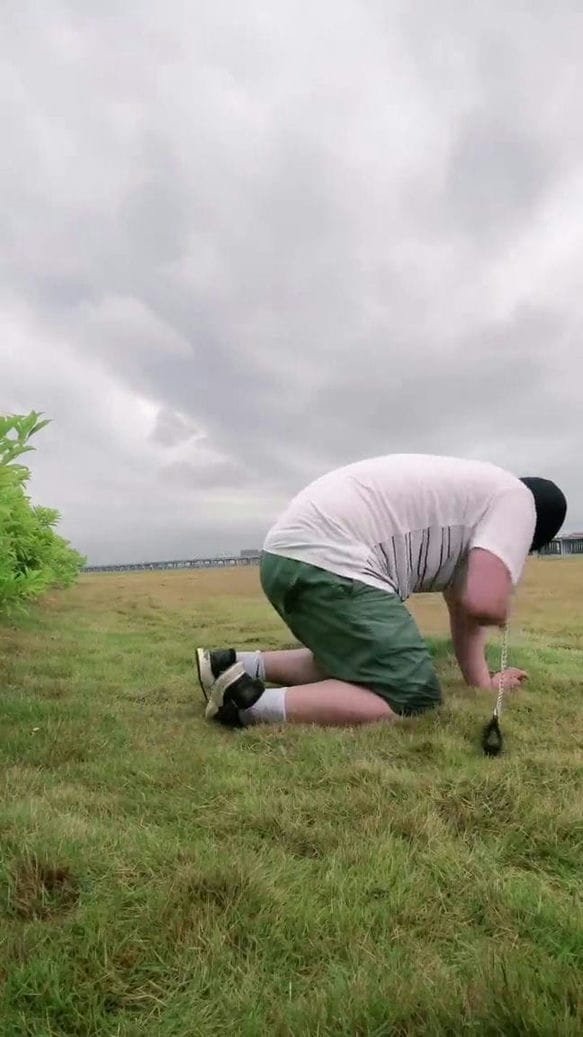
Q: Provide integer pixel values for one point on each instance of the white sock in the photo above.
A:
(269, 708)
(252, 663)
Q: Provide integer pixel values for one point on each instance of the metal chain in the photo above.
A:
(503, 666)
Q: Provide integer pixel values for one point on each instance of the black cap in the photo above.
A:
(551, 508)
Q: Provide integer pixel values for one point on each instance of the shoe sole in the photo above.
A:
(204, 670)
(220, 686)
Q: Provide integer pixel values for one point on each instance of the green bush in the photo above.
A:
(32, 556)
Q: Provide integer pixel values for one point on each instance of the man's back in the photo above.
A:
(405, 522)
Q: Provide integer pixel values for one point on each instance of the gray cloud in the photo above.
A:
(496, 177)
(241, 248)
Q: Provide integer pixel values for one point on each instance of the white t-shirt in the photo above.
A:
(406, 522)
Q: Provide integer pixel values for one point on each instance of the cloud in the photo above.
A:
(240, 248)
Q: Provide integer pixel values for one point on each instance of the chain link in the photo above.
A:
(501, 677)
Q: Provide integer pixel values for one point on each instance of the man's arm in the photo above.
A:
(486, 590)
(469, 642)
(480, 599)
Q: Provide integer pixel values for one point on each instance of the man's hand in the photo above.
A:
(513, 678)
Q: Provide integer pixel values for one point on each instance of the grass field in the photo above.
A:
(161, 877)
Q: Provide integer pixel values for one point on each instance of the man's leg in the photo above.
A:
(329, 703)
(371, 665)
(286, 667)
(335, 704)
(290, 667)
(312, 699)
(307, 697)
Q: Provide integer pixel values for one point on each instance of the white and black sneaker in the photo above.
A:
(211, 663)
(226, 686)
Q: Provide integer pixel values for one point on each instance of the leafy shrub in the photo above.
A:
(33, 557)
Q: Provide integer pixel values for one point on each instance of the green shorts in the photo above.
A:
(356, 633)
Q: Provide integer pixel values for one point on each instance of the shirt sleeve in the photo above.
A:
(507, 529)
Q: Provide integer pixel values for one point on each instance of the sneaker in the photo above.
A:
(232, 691)
(211, 663)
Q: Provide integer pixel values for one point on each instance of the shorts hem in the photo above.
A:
(415, 706)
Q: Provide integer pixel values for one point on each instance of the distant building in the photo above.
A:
(569, 544)
(251, 552)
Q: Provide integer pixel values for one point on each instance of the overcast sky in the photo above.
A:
(243, 242)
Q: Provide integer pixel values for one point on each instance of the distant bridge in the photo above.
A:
(222, 562)
(559, 548)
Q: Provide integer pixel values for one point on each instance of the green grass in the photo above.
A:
(162, 877)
